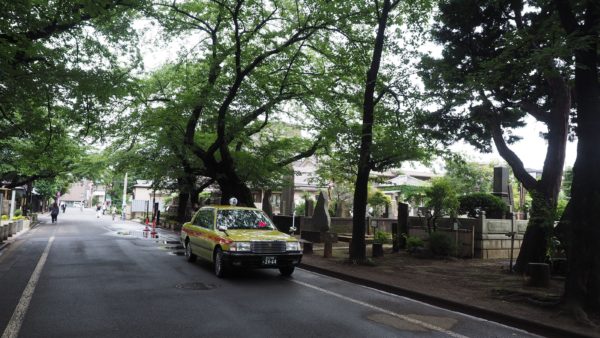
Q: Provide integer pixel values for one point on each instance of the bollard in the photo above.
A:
(307, 248)
(328, 249)
(11, 229)
(1, 233)
(377, 250)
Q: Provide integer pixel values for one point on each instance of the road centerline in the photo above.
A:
(388, 312)
(14, 325)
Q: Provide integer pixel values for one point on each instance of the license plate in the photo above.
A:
(269, 260)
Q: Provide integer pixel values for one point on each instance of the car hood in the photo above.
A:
(257, 235)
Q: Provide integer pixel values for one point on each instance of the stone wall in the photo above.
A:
(476, 237)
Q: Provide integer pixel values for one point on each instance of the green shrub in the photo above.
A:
(493, 206)
(5, 217)
(441, 244)
(414, 242)
(18, 212)
(381, 236)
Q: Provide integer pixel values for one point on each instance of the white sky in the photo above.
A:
(531, 149)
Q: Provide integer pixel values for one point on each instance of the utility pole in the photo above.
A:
(124, 204)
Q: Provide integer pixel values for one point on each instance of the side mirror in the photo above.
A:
(222, 228)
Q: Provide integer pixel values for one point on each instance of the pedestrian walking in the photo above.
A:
(98, 210)
(63, 206)
(113, 212)
(54, 212)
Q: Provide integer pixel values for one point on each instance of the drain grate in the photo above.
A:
(195, 286)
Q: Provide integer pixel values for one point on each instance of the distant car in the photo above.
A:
(77, 205)
(232, 236)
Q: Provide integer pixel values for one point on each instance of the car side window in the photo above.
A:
(205, 218)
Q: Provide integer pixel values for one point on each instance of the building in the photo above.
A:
(78, 192)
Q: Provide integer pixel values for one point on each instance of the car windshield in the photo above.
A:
(243, 219)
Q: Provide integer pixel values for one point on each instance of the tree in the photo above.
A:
(501, 62)
(579, 21)
(59, 80)
(378, 200)
(252, 60)
(442, 200)
(373, 156)
(468, 177)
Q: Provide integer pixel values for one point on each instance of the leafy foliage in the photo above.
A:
(468, 177)
(472, 204)
(378, 200)
(381, 236)
(413, 243)
(442, 197)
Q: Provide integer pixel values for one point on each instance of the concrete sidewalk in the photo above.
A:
(5, 243)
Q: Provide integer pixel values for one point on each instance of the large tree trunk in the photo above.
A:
(231, 184)
(536, 238)
(358, 245)
(545, 191)
(234, 187)
(582, 289)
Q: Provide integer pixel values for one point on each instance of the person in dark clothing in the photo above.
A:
(54, 212)
(63, 206)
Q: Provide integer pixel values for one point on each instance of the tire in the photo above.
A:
(219, 264)
(286, 271)
(191, 257)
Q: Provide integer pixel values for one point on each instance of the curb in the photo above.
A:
(6, 244)
(520, 323)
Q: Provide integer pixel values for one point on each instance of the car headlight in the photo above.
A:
(239, 246)
(292, 246)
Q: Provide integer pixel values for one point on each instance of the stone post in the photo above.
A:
(401, 233)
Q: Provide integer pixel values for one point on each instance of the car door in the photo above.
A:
(205, 225)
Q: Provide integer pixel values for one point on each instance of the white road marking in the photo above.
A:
(14, 326)
(391, 313)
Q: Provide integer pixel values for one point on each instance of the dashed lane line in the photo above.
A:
(14, 325)
(388, 312)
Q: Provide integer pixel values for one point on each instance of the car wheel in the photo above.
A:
(219, 264)
(286, 271)
(188, 252)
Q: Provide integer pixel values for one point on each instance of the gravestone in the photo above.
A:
(321, 220)
(500, 184)
(320, 225)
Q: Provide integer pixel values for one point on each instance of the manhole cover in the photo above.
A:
(196, 286)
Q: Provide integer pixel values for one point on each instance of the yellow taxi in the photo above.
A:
(232, 236)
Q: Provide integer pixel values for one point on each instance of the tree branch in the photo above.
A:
(511, 158)
(308, 152)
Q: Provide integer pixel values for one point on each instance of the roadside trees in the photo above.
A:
(386, 107)
(503, 61)
(251, 64)
(59, 80)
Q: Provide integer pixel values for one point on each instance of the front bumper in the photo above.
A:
(261, 261)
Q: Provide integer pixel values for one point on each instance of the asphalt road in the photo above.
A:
(94, 277)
